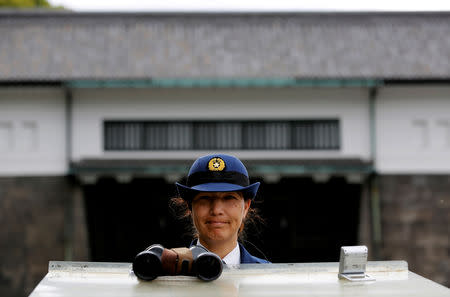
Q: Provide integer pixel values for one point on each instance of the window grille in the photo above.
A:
(222, 135)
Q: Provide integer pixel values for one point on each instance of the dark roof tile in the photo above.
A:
(60, 46)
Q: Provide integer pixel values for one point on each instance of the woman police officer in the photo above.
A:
(218, 197)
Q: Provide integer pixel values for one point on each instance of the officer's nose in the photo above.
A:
(216, 207)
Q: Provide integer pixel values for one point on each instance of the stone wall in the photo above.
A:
(415, 221)
(42, 219)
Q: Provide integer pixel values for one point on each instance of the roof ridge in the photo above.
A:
(63, 13)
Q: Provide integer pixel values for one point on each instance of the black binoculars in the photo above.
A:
(196, 261)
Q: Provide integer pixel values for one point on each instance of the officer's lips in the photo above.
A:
(216, 223)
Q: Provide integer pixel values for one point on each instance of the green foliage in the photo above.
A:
(24, 3)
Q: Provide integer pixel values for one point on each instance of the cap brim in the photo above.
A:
(187, 193)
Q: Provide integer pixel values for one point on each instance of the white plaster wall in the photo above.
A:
(92, 106)
(413, 130)
(412, 123)
(32, 132)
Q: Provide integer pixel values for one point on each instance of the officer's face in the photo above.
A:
(218, 215)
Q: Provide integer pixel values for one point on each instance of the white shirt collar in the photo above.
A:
(232, 258)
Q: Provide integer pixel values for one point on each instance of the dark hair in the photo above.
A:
(181, 209)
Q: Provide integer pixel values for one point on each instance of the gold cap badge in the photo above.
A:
(216, 164)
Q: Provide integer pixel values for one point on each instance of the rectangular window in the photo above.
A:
(222, 135)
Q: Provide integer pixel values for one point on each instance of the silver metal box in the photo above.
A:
(352, 263)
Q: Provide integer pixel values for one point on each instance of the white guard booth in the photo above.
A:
(392, 278)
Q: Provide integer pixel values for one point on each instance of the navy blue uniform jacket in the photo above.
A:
(247, 258)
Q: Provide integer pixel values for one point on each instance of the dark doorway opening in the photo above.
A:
(124, 219)
(308, 221)
(305, 221)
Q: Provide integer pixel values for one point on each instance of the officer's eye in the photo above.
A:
(201, 198)
(230, 197)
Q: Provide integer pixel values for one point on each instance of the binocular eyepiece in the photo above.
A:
(196, 261)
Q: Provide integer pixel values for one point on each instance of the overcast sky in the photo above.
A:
(253, 5)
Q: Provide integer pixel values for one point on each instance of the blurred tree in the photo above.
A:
(26, 4)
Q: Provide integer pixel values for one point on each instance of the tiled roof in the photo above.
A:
(65, 45)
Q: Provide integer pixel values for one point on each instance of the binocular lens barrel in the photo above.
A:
(147, 265)
(208, 267)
